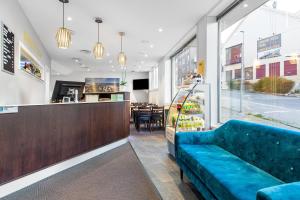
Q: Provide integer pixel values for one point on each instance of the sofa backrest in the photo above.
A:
(274, 150)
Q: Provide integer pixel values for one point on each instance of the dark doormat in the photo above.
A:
(114, 175)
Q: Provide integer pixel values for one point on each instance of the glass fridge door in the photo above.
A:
(173, 114)
(195, 112)
(189, 112)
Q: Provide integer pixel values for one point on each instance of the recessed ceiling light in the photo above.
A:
(246, 5)
(69, 19)
(151, 46)
(76, 60)
(160, 30)
(145, 41)
(107, 54)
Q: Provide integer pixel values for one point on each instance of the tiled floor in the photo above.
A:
(152, 151)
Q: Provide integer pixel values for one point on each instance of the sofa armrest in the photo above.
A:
(206, 137)
(290, 191)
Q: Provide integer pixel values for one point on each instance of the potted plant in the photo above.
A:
(123, 83)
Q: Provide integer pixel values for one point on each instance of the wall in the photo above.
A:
(207, 39)
(135, 96)
(162, 95)
(21, 88)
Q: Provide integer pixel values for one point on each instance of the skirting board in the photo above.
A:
(28, 180)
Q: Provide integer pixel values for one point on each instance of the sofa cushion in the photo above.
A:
(274, 150)
(226, 175)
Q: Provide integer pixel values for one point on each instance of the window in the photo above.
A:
(269, 38)
(249, 73)
(184, 64)
(290, 67)
(153, 76)
(260, 71)
(274, 69)
(237, 74)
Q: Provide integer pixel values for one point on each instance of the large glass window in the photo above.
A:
(260, 78)
(184, 64)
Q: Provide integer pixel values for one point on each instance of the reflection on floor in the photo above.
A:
(115, 175)
(151, 149)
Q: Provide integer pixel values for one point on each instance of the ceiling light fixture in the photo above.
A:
(160, 30)
(63, 35)
(246, 5)
(69, 19)
(122, 59)
(151, 46)
(99, 48)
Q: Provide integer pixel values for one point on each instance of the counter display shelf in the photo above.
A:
(189, 112)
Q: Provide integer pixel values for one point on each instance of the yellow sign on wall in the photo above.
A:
(201, 68)
(28, 41)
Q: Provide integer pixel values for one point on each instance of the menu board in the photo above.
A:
(8, 49)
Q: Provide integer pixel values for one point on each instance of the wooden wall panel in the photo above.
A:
(40, 136)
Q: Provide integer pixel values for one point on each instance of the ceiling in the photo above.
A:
(139, 19)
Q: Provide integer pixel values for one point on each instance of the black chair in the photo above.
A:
(157, 117)
(143, 116)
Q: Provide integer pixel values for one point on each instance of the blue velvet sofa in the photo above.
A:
(242, 160)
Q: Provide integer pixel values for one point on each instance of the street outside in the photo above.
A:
(281, 110)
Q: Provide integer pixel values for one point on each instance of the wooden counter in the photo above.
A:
(39, 136)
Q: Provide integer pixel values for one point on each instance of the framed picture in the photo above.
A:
(98, 85)
(29, 64)
(7, 49)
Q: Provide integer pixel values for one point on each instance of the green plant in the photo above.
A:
(277, 85)
(123, 83)
(236, 85)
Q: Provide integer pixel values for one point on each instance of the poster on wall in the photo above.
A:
(98, 85)
(233, 54)
(269, 47)
(29, 64)
(8, 49)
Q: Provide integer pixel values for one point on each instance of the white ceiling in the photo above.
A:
(140, 19)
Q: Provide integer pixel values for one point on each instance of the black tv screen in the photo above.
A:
(141, 84)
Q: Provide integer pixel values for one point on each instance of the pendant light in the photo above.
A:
(122, 57)
(99, 48)
(63, 35)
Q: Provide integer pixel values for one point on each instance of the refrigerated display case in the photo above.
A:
(189, 112)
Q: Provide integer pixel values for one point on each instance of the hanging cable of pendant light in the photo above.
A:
(63, 35)
(98, 48)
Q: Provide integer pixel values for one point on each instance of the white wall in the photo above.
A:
(162, 94)
(207, 38)
(135, 95)
(21, 88)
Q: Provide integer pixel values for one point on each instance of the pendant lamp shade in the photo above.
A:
(63, 35)
(98, 50)
(122, 59)
(63, 38)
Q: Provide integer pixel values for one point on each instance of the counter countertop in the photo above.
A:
(71, 103)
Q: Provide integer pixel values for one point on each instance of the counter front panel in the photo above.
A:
(37, 137)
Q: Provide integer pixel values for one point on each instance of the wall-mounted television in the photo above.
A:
(141, 84)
